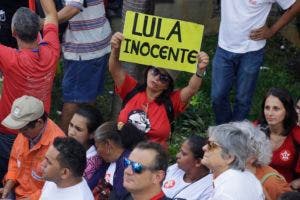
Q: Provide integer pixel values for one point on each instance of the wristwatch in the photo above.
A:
(201, 74)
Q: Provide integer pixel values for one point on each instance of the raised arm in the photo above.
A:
(50, 11)
(67, 13)
(115, 67)
(196, 80)
(266, 32)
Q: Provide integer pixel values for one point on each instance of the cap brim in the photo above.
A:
(9, 122)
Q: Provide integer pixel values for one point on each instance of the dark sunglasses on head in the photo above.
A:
(212, 145)
(163, 78)
(136, 167)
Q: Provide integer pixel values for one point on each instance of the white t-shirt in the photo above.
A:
(175, 187)
(80, 191)
(239, 17)
(88, 34)
(237, 185)
(110, 172)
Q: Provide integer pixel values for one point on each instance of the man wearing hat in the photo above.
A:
(36, 134)
(30, 69)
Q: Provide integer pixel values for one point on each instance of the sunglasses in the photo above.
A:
(163, 78)
(212, 145)
(136, 167)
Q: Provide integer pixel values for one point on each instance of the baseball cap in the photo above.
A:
(24, 110)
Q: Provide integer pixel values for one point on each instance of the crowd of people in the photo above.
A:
(85, 157)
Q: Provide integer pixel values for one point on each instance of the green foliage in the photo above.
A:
(276, 72)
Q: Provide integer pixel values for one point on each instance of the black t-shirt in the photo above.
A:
(7, 10)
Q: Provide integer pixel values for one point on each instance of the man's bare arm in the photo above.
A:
(266, 32)
(67, 13)
(50, 11)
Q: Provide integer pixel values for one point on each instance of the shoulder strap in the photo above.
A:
(268, 175)
(167, 104)
(131, 94)
(170, 109)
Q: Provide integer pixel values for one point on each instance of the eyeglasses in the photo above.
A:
(163, 78)
(212, 145)
(136, 167)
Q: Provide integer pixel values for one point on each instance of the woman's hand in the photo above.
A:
(196, 80)
(203, 60)
(115, 42)
(295, 184)
(115, 67)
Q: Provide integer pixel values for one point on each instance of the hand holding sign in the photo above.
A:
(203, 61)
(115, 42)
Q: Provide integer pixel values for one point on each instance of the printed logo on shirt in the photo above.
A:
(35, 175)
(253, 2)
(18, 163)
(140, 119)
(107, 177)
(285, 155)
(169, 184)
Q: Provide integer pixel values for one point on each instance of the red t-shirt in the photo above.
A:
(159, 196)
(29, 72)
(148, 116)
(286, 159)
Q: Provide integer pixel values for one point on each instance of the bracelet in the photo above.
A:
(201, 74)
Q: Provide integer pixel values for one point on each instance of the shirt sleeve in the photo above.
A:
(127, 86)
(51, 38)
(285, 4)
(13, 163)
(36, 195)
(7, 57)
(178, 105)
(75, 3)
(275, 186)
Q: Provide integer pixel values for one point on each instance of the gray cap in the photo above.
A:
(24, 110)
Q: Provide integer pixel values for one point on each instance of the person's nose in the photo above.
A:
(205, 148)
(71, 131)
(128, 170)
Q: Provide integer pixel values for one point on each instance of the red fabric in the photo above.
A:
(159, 196)
(31, 4)
(285, 159)
(28, 72)
(105, 3)
(159, 123)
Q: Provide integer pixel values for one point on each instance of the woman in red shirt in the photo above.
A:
(146, 109)
(278, 121)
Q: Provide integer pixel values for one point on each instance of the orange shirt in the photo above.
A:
(24, 163)
(274, 185)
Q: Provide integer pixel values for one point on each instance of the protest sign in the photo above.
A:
(162, 42)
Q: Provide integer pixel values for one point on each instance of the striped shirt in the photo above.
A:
(88, 34)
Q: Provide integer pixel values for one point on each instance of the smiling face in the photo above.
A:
(274, 111)
(79, 131)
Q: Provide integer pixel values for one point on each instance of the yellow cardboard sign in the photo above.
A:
(162, 42)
